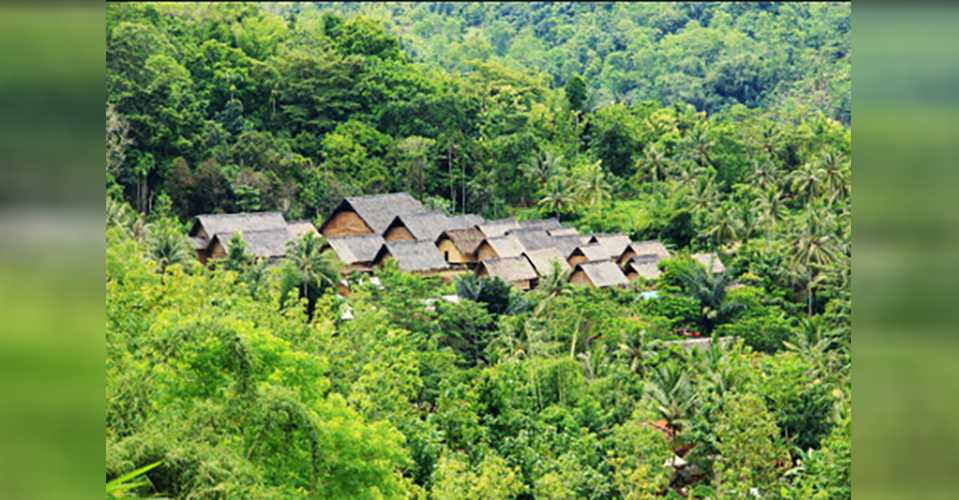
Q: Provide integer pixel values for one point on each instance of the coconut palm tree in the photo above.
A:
(558, 196)
(834, 170)
(812, 248)
(709, 290)
(807, 179)
(167, 244)
(669, 389)
(772, 211)
(697, 144)
(656, 163)
(317, 269)
(592, 186)
(539, 169)
(724, 225)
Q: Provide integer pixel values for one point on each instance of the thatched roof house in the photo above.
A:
(544, 224)
(599, 273)
(207, 225)
(419, 256)
(368, 214)
(459, 246)
(710, 261)
(426, 226)
(516, 270)
(466, 220)
(563, 231)
(531, 239)
(494, 228)
(643, 266)
(498, 247)
(587, 253)
(567, 244)
(357, 251)
(268, 243)
(541, 260)
(649, 247)
(302, 227)
(614, 244)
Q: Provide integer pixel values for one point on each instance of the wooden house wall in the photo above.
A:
(523, 284)
(452, 255)
(576, 259)
(345, 224)
(398, 233)
(580, 278)
(486, 252)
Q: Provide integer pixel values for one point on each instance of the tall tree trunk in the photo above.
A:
(449, 166)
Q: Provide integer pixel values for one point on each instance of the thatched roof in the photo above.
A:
(231, 223)
(466, 220)
(358, 248)
(541, 260)
(707, 258)
(563, 231)
(465, 240)
(510, 269)
(603, 273)
(567, 244)
(423, 226)
(650, 247)
(378, 210)
(532, 239)
(413, 256)
(265, 243)
(544, 224)
(614, 243)
(645, 266)
(498, 227)
(592, 251)
(301, 227)
(505, 246)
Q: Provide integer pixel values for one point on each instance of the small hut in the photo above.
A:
(516, 270)
(417, 257)
(615, 244)
(466, 220)
(459, 246)
(426, 226)
(598, 273)
(531, 239)
(567, 244)
(368, 214)
(498, 247)
(541, 260)
(544, 224)
(494, 228)
(207, 225)
(586, 253)
(643, 266)
(357, 251)
(710, 261)
(563, 231)
(302, 227)
(267, 244)
(649, 247)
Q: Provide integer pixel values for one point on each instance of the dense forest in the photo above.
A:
(721, 127)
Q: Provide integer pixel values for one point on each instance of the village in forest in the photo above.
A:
(365, 231)
(463, 250)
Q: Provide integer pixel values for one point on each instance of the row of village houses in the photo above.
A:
(365, 231)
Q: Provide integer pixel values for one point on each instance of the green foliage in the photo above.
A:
(575, 91)
(746, 435)
(712, 127)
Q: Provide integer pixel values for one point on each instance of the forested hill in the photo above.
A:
(245, 107)
(712, 55)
